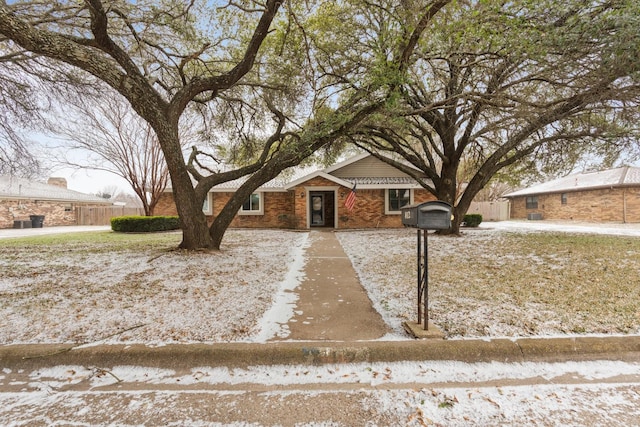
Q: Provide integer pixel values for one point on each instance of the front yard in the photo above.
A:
(108, 287)
(493, 283)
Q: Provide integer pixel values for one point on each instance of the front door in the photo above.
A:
(317, 210)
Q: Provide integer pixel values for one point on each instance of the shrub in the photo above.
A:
(144, 224)
(472, 220)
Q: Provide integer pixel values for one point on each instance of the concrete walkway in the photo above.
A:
(332, 304)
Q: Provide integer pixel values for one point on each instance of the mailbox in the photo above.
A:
(435, 215)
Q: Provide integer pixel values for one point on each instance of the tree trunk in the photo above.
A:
(195, 231)
(225, 217)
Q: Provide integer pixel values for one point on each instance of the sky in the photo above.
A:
(91, 181)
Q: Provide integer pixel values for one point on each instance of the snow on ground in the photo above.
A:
(81, 294)
(492, 283)
(68, 294)
(401, 393)
(85, 294)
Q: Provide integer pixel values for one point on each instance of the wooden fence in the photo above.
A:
(491, 211)
(101, 215)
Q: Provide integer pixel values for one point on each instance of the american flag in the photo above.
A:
(350, 201)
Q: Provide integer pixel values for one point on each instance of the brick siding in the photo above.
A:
(55, 213)
(289, 209)
(601, 205)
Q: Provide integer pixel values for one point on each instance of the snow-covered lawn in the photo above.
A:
(493, 281)
(105, 287)
(500, 282)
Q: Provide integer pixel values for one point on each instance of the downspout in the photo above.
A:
(623, 179)
(624, 205)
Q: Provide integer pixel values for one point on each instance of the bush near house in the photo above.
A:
(144, 224)
(472, 220)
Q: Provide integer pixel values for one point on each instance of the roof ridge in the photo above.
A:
(623, 175)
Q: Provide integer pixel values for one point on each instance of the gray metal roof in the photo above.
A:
(619, 177)
(384, 181)
(12, 187)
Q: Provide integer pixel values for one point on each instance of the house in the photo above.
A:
(607, 196)
(318, 199)
(21, 198)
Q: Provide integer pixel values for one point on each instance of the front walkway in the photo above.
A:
(332, 304)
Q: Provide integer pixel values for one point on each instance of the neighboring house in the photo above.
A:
(318, 199)
(20, 198)
(608, 196)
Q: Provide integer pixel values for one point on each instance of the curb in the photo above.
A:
(185, 356)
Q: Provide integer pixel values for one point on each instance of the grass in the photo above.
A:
(483, 284)
(591, 283)
(514, 284)
(99, 241)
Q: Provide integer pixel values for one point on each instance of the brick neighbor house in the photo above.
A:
(318, 199)
(607, 196)
(21, 198)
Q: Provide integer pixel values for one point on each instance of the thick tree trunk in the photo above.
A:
(225, 217)
(195, 231)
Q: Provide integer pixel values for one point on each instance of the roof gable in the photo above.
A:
(364, 170)
(365, 166)
(618, 177)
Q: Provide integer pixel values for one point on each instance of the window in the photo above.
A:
(532, 202)
(397, 198)
(206, 206)
(68, 208)
(563, 198)
(253, 205)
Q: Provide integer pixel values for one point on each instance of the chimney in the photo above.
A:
(57, 181)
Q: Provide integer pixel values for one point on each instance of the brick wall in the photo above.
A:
(603, 205)
(55, 213)
(166, 205)
(289, 209)
(277, 211)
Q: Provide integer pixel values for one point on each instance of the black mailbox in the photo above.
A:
(435, 215)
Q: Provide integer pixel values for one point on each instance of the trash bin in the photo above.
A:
(37, 221)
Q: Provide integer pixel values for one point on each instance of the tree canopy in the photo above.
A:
(513, 84)
(312, 72)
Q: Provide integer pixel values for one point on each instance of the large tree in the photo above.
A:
(152, 56)
(163, 59)
(513, 84)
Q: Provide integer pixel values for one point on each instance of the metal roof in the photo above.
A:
(12, 187)
(619, 177)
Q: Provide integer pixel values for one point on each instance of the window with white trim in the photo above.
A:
(206, 206)
(253, 205)
(396, 199)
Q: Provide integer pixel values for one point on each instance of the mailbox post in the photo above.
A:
(434, 215)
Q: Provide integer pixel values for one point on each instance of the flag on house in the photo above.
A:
(351, 199)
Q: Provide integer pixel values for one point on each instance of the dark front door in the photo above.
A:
(321, 208)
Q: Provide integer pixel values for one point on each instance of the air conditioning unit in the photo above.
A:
(534, 216)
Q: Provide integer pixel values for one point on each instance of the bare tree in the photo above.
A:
(109, 136)
(19, 103)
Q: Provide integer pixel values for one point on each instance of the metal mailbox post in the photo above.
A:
(434, 215)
